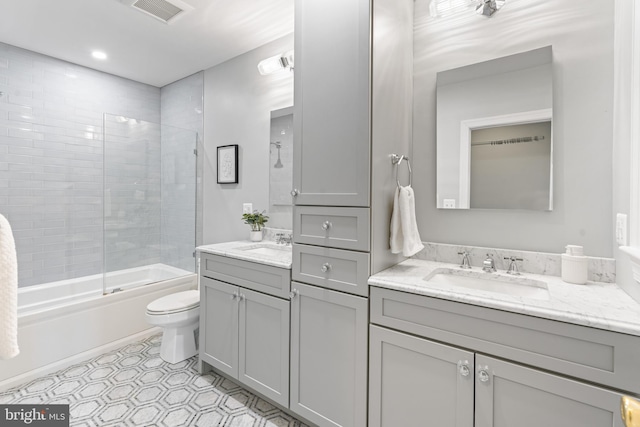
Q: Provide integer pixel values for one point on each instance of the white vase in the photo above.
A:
(255, 236)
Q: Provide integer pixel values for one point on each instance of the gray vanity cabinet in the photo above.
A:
(558, 374)
(416, 382)
(328, 356)
(245, 334)
(332, 94)
(514, 395)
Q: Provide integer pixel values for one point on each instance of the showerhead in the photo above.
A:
(278, 164)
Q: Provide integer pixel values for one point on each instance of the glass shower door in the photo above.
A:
(149, 202)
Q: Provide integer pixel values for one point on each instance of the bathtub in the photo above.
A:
(67, 322)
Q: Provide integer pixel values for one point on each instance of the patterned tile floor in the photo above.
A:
(134, 387)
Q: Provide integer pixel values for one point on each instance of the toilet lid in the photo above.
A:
(179, 301)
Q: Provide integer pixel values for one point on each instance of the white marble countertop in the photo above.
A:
(595, 304)
(266, 252)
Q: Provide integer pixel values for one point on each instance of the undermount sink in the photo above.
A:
(268, 249)
(506, 285)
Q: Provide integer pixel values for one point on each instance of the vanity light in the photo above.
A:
(99, 55)
(489, 7)
(283, 61)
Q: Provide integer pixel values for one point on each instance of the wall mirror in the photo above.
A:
(494, 134)
(281, 168)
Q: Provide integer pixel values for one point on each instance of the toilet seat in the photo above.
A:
(174, 303)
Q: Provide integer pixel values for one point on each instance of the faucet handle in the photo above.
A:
(513, 266)
(465, 259)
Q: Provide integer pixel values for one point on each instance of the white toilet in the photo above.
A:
(179, 315)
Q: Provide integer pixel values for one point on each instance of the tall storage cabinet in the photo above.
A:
(331, 101)
(353, 101)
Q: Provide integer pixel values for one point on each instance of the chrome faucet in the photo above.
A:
(488, 265)
(465, 259)
(513, 266)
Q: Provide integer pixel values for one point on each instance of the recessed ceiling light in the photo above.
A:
(98, 54)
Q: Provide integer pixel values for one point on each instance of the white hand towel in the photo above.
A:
(395, 237)
(8, 292)
(412, 243)
(404, 236)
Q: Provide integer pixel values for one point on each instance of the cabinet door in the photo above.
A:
(328, 357)
(511, 395)
(219, 325)
(415, 382)
(332, 113)
(264, 345)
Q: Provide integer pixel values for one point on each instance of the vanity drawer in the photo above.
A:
(344, 228)
(604, 357)
(336, 269)
(259, 277)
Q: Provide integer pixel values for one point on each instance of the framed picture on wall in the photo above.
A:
(228, 164)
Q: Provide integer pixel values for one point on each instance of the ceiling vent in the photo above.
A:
(166, 11)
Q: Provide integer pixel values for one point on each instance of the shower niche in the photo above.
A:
(281, 168)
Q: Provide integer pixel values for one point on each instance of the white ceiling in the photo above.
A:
(140, 47)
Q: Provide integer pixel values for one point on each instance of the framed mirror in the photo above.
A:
(495, 135)
(281, 168)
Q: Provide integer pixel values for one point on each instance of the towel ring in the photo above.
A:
(396, 160)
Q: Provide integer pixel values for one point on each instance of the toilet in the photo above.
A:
(178, 315)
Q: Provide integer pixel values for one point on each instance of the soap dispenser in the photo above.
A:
(574, 265)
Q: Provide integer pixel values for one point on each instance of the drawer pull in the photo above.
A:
(463, 368)
(326, 225)
(483, 374)
(325, 267)
(630, 411)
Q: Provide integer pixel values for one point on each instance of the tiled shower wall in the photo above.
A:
(181, 107)
(51, 184)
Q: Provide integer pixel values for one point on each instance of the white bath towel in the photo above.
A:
(404, 237)
(8, 292)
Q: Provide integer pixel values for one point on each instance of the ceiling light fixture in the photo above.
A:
(489, 7)
(284, 61)
(99, 55)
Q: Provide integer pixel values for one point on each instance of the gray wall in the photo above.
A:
(582, 40)
(238, 102)
(51, 159)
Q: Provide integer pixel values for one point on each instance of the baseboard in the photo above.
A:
(75, 359)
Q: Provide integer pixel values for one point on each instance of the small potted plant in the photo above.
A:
(256, 221)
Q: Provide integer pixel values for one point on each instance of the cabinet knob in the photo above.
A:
(294, 293)
(325, 267)
(463, 368)
(294, 192)
(233, 296)
(326, 225)
(241, 297)
(630, 411)
(483, 374)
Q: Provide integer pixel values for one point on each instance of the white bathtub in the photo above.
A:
(66, 322)
(55, 294)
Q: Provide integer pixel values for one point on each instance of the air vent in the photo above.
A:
(164, 10)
